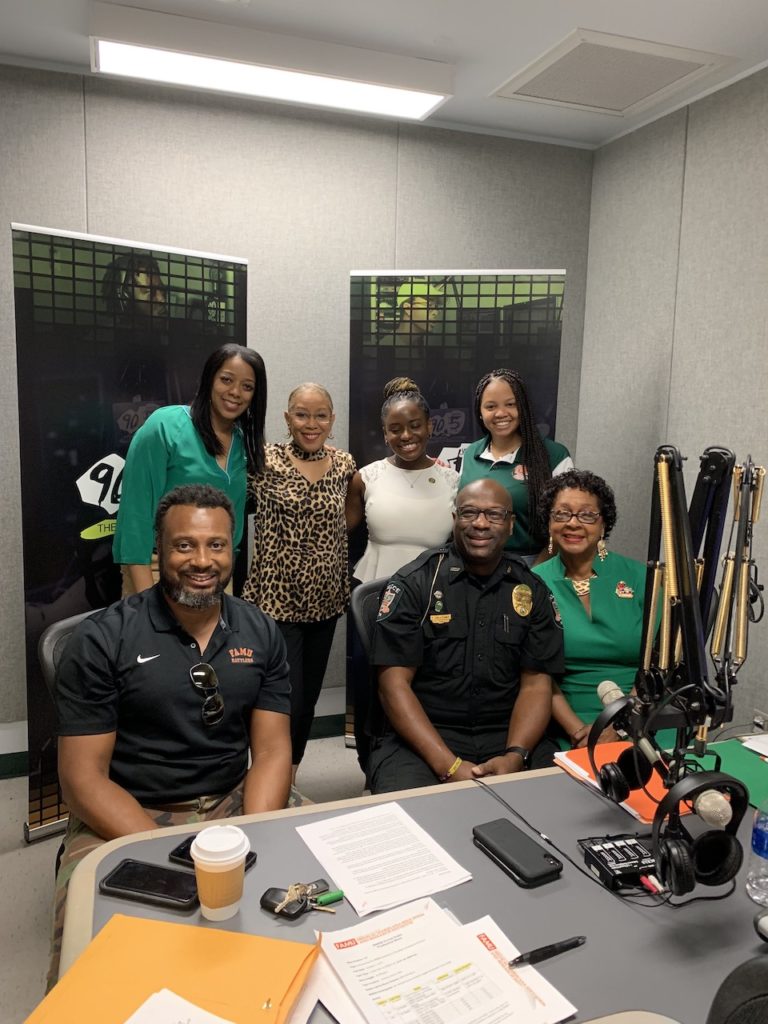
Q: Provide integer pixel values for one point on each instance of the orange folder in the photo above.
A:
(227, 973)
(640, 804)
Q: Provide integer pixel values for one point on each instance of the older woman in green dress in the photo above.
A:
(599, 595)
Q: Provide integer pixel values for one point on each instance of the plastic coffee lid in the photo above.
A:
(220, 843)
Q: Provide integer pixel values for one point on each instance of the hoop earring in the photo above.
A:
(602, 550)
(330, 437)
(550, 546)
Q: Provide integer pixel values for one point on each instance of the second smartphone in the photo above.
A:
(181, 854)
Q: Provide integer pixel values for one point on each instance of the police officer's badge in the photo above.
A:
(522, 599)
(389, 599)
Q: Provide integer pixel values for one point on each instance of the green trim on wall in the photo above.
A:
(14, 765)
(326, 726)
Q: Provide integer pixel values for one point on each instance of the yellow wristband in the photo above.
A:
(452, 770)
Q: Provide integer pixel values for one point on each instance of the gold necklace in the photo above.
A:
(582, 586)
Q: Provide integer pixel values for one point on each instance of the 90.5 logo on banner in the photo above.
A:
(100, 485)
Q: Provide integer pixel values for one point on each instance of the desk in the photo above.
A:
(665, 961)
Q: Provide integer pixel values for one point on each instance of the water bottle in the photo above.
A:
(757, 869)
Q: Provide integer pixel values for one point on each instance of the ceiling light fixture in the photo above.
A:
(134, 43)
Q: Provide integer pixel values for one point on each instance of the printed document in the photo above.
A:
(381, 858)
(414, 964)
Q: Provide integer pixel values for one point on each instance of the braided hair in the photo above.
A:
(533, 454)
(403, 389)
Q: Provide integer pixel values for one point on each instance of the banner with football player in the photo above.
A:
(106, 332)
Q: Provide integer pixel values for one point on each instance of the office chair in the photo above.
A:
(51, 644)
(366, 599)
(743, 996)
(50, 648)
(365, 705)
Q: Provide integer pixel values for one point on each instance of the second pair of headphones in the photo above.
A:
(712, 858)
(631, 770)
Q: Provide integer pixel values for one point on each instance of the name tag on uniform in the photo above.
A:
(440, 620)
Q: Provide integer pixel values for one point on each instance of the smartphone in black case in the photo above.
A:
(515, 852)
(151, 883)
(181, 854)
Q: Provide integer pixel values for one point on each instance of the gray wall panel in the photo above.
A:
(41, 182)
(676, 312)
(305, 197)
(719, 390)
(472, 201)
(636, 201)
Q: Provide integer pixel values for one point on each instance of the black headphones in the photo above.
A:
(631, 771)
(712, 858)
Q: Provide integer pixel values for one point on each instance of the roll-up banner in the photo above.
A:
(106, 332)
(445, 329)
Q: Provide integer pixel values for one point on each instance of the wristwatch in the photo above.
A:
(522, 751)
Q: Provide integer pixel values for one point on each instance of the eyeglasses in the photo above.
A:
(586, 516)
(467, 514)
(204, 678)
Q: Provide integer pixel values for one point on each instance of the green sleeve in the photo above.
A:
(144, 484)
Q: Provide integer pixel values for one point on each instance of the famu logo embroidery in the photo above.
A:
(241, 655)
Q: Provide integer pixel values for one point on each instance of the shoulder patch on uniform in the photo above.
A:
(556, 611)
(389, 599)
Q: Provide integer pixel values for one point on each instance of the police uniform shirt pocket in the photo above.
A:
(445, 646)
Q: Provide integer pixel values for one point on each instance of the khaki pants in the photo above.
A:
(80, 840)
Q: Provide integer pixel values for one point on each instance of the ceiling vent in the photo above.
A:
(610, 74)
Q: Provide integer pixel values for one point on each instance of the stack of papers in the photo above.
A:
(381, 858)
(417, 964)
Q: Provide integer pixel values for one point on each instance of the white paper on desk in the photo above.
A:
(324, 986)
(758, 743)
(381, 858)
(414, 964)
(165, 1007)
(554, 1006)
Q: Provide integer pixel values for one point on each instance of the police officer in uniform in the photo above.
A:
(466, 642)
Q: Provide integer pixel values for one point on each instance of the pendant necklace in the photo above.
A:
(416, 474)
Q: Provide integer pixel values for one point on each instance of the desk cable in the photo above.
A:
(659, 899)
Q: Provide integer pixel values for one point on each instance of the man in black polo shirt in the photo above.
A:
(161, 697)
(465, 644)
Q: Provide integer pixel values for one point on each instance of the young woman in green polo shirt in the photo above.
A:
(513, 453)
(216, 440)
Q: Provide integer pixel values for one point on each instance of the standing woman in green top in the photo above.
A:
(513, 453)
(216, 440)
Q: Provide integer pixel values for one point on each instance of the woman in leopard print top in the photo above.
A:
(299, 572)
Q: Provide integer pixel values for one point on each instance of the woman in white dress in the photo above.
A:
(407, 498)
